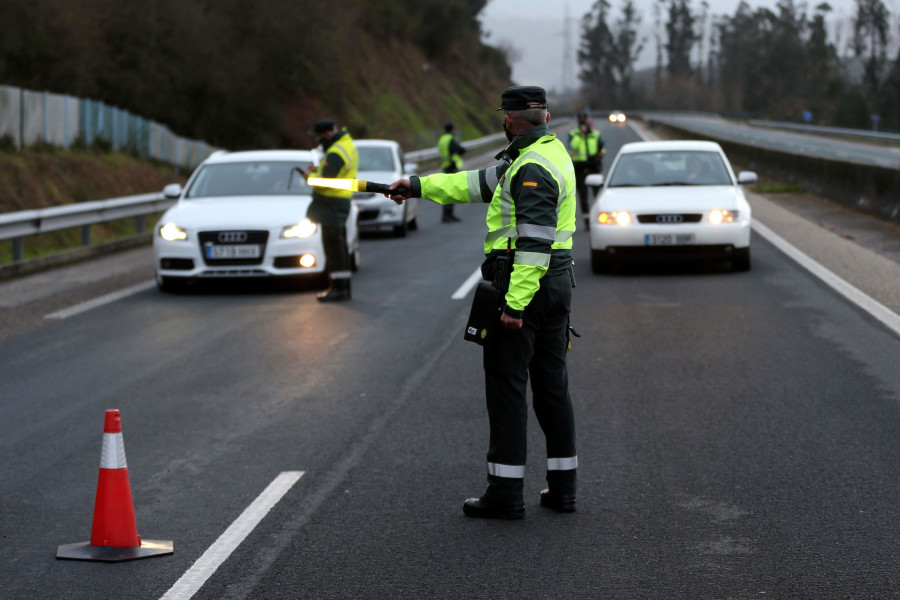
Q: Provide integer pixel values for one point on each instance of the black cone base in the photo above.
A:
(84, 551)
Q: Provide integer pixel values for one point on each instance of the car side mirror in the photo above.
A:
(747, 178)
(173, 191)
(594, 180)
(411, 168)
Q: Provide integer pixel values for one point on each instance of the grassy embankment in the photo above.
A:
(45, 177)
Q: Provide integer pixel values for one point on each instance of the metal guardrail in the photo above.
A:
(433, 153)
(16, 226)
(841, 131)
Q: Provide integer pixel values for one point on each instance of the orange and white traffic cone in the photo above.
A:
(114, 534)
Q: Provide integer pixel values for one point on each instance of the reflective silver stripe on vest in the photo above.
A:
(563, 236)
(491, 179)
(562, 464)
(338, 149)
(511, 233)
(503, 232)
(541, 232)
(112, 454)
(534, 259)
(473, 185)
(510, 471)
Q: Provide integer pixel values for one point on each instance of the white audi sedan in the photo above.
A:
(243, 214)
(670, 199)
(382, 161)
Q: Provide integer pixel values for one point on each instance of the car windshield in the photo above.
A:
(672, 167)
(250, 179)
(376, 158)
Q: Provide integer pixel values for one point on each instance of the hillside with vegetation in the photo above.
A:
(240, 74)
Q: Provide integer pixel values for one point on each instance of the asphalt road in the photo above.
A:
(737, 431)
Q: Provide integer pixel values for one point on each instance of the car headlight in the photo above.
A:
(620, 118)
(303, 229)
(719, 216)
(172, 233)
(614, 218)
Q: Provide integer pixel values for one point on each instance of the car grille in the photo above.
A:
(233, 237)
(368, 215)
(669, 219)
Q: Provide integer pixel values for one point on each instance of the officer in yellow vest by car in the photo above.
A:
(451, 162)
(530, 220)
(586, 148)
(330, 208)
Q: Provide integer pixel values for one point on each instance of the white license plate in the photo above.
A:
(233, 251)
(668, 239)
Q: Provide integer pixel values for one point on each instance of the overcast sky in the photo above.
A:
(535, 29)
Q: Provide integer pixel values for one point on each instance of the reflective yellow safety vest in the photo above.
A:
(344, 148)
(532, 209)
(584, 145)
(448, 159)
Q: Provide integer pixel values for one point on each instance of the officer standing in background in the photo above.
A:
(531, 220)
(451, 162)
(330, 208)
(586, 148)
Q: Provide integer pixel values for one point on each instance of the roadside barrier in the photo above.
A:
(114, 534)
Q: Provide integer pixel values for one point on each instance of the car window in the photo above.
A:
(674, 167)
(376, 158)
(272, 178)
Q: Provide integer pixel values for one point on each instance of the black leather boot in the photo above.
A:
(338, 290)
(558, 502)
(483, 508)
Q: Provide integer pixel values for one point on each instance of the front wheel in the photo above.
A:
(600, 262)
(170, 285)
(400, 230)
(740, 262)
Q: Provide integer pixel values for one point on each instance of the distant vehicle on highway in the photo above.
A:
(617, 117)
(243, 214)
(670, 199)
(382, 161)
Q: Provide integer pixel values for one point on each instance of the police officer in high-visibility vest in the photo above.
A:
(586, 148)
(330, 208)
(451, 162)
(530, 220)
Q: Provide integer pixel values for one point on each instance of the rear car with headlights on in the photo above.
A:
(670, 200)
(243, 214)
(617, 118)
(382, 161)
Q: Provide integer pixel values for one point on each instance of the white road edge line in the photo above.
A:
(466, 287)
(852, 293)
(108, 298)
(215, 555)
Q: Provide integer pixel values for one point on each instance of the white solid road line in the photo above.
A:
(216, 554)
(90, 304)
(852, 293)
(466, 287)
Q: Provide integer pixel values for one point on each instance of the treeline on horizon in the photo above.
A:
(242, 73)
(778, 64)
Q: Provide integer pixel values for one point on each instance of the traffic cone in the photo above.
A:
(114, 534)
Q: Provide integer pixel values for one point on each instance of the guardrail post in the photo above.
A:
(85, 235)
(46, 105)
(141, 223)
(18, 248)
